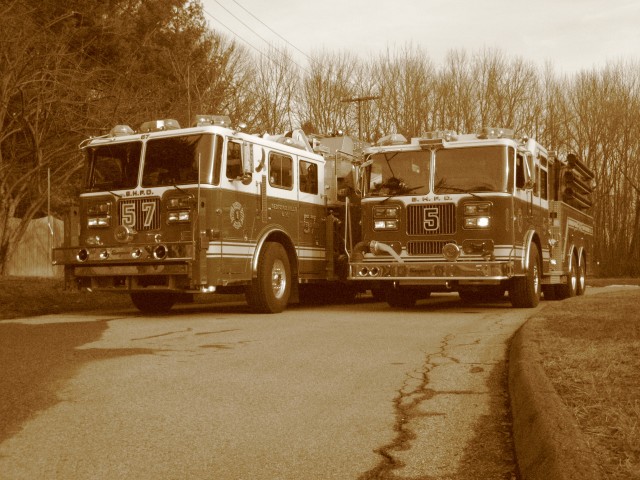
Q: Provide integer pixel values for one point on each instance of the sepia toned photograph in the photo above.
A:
(250, 240)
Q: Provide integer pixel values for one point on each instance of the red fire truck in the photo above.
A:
(168, 212)
(481, 214)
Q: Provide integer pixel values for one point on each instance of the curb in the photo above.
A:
(548, 442)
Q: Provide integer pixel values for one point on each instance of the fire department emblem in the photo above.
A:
(236, 214)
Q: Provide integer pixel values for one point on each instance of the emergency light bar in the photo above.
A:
(212, 120)
(159, 125)
(121, 130)
(436, 138)
(392, 139)
(495, 132)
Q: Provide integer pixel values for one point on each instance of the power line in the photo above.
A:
(254, 32)
(242, 39)
(272, 30)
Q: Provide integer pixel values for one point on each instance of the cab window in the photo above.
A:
(234, 160)
(280, 171)
(308, 177)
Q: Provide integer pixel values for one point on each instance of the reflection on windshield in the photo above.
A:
(174, 160)
(113, 167)
(399, 173)
(465, 170)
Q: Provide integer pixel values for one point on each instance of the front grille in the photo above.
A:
(427, 247)
(431, 219)
(140, 213)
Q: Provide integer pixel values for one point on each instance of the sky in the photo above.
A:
(571, 35)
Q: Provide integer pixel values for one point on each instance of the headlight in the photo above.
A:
(178, 202)
(477, 215)
(385, 224)
(385, 212)
(103, 208)
(477, 208)
(98, 222)
(98, 215)
(385, 218)
(179, 217)
(476, 222)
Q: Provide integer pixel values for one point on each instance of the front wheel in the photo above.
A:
(403, 297)
(269, 292)
(153, 302)
(524, 291)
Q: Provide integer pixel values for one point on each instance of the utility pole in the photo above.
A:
(359, 101)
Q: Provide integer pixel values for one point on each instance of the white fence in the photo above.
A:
(32, 256)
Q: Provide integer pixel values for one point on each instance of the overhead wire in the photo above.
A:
(273, 31)
(266, 55)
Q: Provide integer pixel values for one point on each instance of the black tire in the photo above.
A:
(524, 292)
(570, 287)
(153, 302)
(270, 291)
(405, 297)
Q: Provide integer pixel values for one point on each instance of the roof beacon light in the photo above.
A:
(212, 120)
(436, 138)
(495, 132)
(159, 125)
(392, 139)
(121, 130)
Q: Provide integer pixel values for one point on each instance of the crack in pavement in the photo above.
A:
(406, 406)
(409, 405)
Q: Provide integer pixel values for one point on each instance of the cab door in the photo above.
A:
(236, 210)
(311, 218)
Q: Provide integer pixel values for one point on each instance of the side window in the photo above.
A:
(308, 177)
(280, 171)
(520, 171)
(234, 160)
(536, 180)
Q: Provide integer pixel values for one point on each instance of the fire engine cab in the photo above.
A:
(481, 214)
(167, 212)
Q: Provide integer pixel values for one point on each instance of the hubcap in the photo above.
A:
(278, 279)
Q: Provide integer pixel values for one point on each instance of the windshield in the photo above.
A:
(113, 167)
(476, 169)
(174, 160)
(397, 173)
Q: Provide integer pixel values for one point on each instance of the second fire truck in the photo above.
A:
(481, 214)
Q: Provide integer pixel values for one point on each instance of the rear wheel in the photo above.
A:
(524, 291)
(270, 291)
(153, 302)
(570, 287)
(581, 286)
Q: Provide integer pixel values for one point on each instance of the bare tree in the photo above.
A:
(406, 81)
(328, 80)
(274, 86)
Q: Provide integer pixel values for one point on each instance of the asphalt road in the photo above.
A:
(212, 391)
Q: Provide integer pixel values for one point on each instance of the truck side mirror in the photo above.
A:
(530, 180)
(247, 163)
